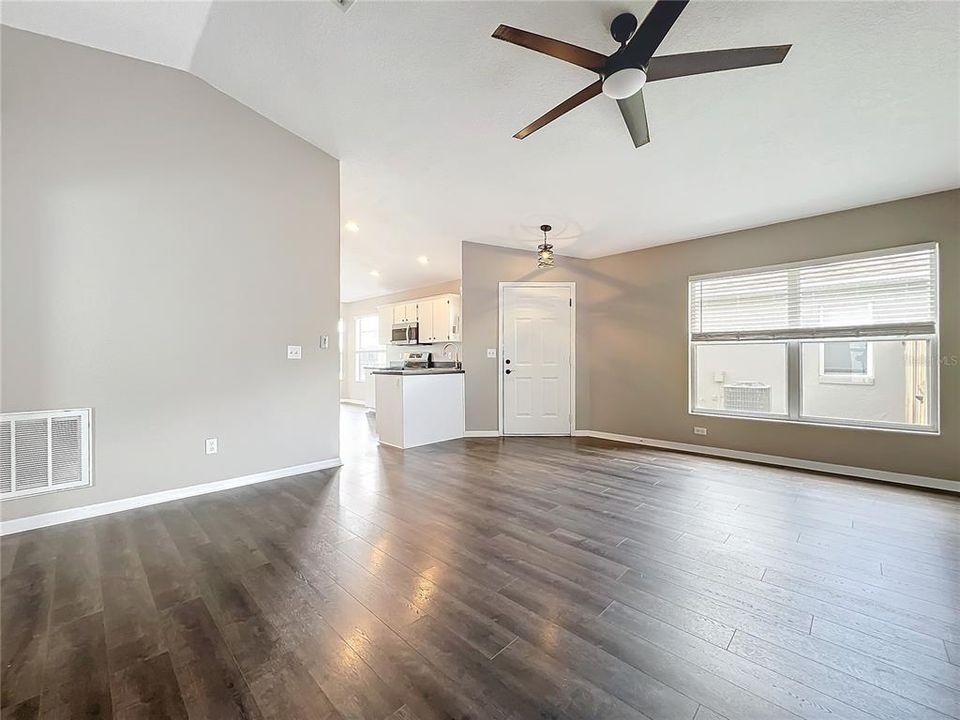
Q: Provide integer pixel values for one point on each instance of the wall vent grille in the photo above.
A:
(43, 452)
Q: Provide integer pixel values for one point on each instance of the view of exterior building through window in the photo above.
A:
(847, 340)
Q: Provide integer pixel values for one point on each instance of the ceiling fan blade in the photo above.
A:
(635, 116)
(554, 48)
(664, 67)
(652, 31)
(566, 106)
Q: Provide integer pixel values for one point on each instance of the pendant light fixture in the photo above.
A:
(545, 250)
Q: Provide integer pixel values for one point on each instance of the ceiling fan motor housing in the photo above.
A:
(629, 78)
(623, 27)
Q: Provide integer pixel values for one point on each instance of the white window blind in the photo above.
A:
(890, 293)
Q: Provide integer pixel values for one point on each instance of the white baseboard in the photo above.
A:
(481, 433)
(800, 464)
(8, 527)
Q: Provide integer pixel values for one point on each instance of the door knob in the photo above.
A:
(507, 362)
(508, 371)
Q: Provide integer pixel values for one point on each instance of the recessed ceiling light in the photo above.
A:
(375, 273)
(423, 259)
(352, 226)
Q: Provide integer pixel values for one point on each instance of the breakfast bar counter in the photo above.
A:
(419, 406)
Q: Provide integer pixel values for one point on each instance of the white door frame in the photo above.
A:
(573, 347)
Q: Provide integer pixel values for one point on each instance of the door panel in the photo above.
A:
(523, 395)
(441, 319)
(551, 397)
(536, 360)
(427, 332)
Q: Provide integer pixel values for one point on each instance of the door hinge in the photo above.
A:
(571, 302)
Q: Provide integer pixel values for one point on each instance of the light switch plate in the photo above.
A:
(324, 342)
(211, 446)
(492, 353)
(699, 430)
(294, 352)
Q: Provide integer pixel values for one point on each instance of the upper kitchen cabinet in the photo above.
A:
(437, 318)
(445, 312)
(405, 312)
(425, 327)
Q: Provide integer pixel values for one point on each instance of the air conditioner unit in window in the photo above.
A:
(747, 397)
(45, 451)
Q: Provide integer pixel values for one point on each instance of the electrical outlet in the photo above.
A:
(699, 430)
(294, 352)
(492, 353)
(211, 446)
(324, 342)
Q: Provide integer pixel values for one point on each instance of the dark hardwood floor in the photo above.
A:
(489, 580)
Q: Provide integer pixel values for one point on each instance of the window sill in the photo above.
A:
(836, 424)
(845, 380)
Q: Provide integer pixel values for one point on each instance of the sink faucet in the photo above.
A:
(445, 351)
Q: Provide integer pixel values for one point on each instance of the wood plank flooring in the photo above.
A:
(496, 580)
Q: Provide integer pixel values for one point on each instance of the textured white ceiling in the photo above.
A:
(420, 104)
(161, 32)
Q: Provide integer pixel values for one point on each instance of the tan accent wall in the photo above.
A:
(632, 334)
(162, 245)
(484, 267)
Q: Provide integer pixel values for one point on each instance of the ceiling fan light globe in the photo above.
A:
(624, 83)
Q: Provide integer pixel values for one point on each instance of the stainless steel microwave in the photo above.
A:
(404, 334)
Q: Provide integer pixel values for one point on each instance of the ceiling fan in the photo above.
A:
(624, 73)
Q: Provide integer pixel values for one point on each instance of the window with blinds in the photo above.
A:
(884, 294)
(866, 321)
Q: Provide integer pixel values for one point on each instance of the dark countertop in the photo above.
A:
(420, 371)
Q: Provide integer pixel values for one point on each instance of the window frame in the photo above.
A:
(359, 373)
(846, 378)
(694, 410)
(794, 413)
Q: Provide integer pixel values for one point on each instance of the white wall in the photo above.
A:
(162, 245)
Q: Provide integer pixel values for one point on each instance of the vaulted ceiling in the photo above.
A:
(420, 104)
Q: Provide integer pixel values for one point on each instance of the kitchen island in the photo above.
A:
(419, 406)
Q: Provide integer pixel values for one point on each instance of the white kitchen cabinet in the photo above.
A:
(438, 318)
(415, 410)
(425, 327)
(446, 319)
(405, 312)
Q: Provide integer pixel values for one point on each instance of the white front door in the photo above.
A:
(536, 359)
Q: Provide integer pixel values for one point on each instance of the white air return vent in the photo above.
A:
(44, 451)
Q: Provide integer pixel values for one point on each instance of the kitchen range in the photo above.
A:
(418, 401)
